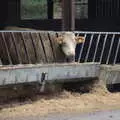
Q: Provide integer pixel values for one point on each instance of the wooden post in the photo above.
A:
(68, 21)
(50, 9)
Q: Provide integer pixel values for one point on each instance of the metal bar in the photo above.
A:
(103, 48)
(55, 72)
(96, 8)
(82, 32)
(16, 49)
(109, 10)
(96, 47)
(88, 51)
(116, 54)
(43, 47)
(81, 51)
(25, 46)
(7, 50)
(111, 7)
(106, 8)
(34, 47)
(118, 5)
(102, 10)
(51, 47)
(113, 37)
(91, 32)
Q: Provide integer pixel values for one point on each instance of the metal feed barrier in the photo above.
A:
(101, 47)
(98, 48)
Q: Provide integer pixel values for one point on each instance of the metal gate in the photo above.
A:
(101, 47)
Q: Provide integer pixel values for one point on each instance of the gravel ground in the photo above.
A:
(104, 115)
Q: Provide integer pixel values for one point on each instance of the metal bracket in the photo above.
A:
(43, 81)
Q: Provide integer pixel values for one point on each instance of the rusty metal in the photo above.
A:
(16, 49)
(6, 48)
(34, 47)
(25, 47)
(43, 47)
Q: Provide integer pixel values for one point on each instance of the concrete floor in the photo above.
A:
(104, 115)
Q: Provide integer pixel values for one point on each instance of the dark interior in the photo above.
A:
(102, 21)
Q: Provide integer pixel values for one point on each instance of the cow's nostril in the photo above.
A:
(71, 58)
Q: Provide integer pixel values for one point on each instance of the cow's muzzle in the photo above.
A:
(70, 58)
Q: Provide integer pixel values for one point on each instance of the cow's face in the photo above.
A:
(68, 42)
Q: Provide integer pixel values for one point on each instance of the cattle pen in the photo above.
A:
(96, 58)
(32, 56)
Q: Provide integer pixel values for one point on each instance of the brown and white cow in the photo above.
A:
(68, 42)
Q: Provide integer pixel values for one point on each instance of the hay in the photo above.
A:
(66, 101)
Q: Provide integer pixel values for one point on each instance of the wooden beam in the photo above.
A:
(68, 21)
(50, 9)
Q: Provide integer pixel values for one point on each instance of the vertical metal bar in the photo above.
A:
(99, 6)
(116, 54)
(96, 7)
(118, 8)
(43, 47)
(51, 47)
(88, 51)
(103, 48)
(34, 47)
(16, 49)
(102, 3)
(25, 46)
(111, 7)
(8, 54)
(113, 37)
(81, 51)
(98, 40)
(106, 8)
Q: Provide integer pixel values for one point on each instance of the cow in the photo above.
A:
(66, 41)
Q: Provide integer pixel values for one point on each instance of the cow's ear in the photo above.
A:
(80, 39)
(59, 40)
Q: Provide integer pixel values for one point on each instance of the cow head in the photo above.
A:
(68, 42)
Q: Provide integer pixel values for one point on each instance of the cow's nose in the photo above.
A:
(71, 58)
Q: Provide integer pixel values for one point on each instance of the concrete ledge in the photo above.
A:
(110, 74)
(66, 72)
(48, 72)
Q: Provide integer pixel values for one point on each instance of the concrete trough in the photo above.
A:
(67, 72)
(47, 72)
(110, 74)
